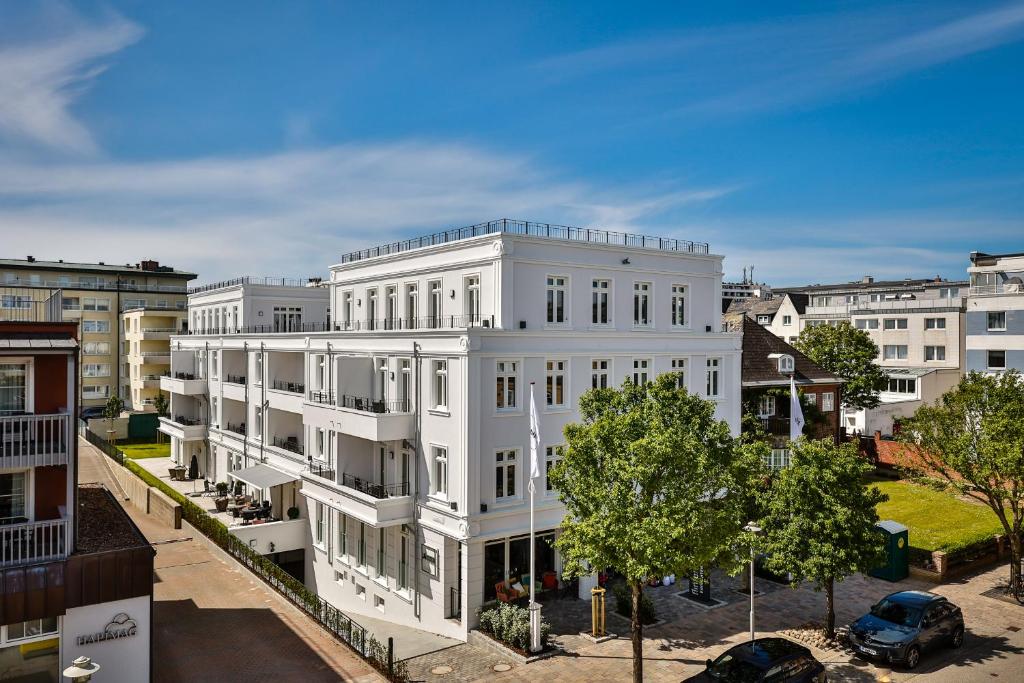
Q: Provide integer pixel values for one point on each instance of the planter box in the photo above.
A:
(486, 641)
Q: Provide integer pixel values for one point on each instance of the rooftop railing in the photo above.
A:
(20, 305)
(379, 491)
(515, 227)
(435, 322)
(994, 290)
(95, 285)
(262, 281)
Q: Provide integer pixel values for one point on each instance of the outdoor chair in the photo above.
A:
(505, 593)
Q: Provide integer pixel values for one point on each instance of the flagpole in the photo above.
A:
(534, 471)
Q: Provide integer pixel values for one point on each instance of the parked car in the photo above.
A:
(92, 412)
(764, 659)
(903, 625)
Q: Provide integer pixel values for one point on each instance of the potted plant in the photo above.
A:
(293, 513)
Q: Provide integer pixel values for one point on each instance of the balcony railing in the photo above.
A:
(371, 405)
(323, 397)
(151, 377)
(236, 428)
(234, 379)
(188, 421)
(288, 444)
(184, 375)
(516, 227)
(435, 322)
(30, 306)
(261, 281)
(993, 290)
(153, 354)
(96, 285)
(291, 387)
(33, 542)
(777, 425)
(322, 470)
(379, 491)
(34, 440)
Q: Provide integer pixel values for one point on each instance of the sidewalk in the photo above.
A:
(214, 622)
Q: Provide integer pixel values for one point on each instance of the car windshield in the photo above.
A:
(904, 615)
(728, 668)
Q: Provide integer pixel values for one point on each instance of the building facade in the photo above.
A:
(400, 436)
(76, 576)
(995, 313)
(96, 295)
(146, 350)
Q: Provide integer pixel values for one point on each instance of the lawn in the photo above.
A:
(137, 451)
(936, 520)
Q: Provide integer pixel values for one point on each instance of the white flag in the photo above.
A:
(796, 413)
(534, 438)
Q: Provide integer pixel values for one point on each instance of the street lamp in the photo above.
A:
(753, 529)
(81, 670)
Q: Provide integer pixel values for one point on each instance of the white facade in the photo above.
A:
(258, 305)
(116, 635)
(406, 427)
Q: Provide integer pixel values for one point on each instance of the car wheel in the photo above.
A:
(913, 657)
(958, 638)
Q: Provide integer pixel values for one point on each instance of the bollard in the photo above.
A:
(391, 656)
(597, 615)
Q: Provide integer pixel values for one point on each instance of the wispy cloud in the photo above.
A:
(778, 64)
(296, 212)
(42, 74)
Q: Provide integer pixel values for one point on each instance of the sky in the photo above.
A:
(817, 142)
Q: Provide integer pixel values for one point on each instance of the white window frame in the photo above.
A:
(643, 312)
(766, 405)
(895, 352)
(600, 373)
(713, 377)
(412, 300)
(556, 300)
(828, 401)
(680, 366)
(319, 525)
(988, 359)
(29, 369)
(896, 324)
(28, 494)
(506, 474)
(601, 302)
(936, 351)
(934, 323)
(787, 320)
(439, 471)
(556, 382)
(680, 300)
(506, 397)
(998, 327)
(472, 304)
(553, 454)
(439, 386)
(641, 371)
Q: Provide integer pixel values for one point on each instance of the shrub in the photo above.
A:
(624, 603)
(510, 624)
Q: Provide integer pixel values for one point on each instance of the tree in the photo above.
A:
(113, 409)
(848, 353)
(160, 404)
(819, 521)
(645, 480)
(973, 439)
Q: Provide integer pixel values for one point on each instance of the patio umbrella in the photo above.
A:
(193, 469)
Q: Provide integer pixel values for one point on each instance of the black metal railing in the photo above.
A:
(188, 421)
(516, 227)
(291, 387)
(430, 322)
(325, 397)
(263, 281)
(234, 379)
(373, 405)
(238, 428)
(288, 444)
(379, 491)
(184, 375)
(322, 470)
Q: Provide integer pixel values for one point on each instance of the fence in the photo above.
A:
(340, 625)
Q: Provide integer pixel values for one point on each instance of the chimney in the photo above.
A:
(867, 279)
(149, 265)
(30, 258)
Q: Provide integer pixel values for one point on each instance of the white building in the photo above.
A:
(995, 313)
(401, 436)
(258, 305)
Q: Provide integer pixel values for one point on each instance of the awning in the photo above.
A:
(263, 476)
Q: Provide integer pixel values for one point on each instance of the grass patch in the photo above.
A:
(936, 520)
(138, 451)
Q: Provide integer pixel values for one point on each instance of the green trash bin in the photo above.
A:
(897, 552)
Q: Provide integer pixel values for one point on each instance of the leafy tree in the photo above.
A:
(819, 521)
(645, 481)
(112, 410)
(160, 404)
(849, 353)
(973, 439)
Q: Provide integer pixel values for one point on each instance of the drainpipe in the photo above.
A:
(245, 437)
(263, 400)
(417, 608)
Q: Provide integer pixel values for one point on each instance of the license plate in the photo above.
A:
(867, 650)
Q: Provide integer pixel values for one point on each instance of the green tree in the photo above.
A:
(112, 410)
(848, 353)
(973, 439)
(645, 480)
(819, 521)
(160, 404)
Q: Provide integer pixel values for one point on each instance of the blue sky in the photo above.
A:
(816, 141)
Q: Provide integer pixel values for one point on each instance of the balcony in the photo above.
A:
(151, 381)
(34, 542)
(1002, 289)
(290, 387)
(273, 537)
(184, 384)
(157, 333)
(377, 504)
(777, 426)
(183, 428)
(156, 357)
(35, 440)
(290, 444)
(378, 491)
(366, 418)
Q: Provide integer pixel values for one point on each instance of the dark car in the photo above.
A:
(764, 659)
(92, 412)
(903, 625)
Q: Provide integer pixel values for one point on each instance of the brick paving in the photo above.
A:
(216, 622)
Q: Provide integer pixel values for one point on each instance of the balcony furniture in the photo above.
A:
(505, 593)
(549, 581)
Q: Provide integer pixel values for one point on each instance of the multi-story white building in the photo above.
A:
(145, 347)
(995, 313)
(401, 435)
(259, 304)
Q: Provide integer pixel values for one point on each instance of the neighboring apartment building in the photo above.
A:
(76, 576)
(995, 312)
(146, 347)
(401, 435)
(95, 295)
(919, 327)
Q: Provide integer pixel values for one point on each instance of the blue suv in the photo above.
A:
(903, 625)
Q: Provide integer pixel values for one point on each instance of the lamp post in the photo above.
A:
(753, 529)
(81, 670)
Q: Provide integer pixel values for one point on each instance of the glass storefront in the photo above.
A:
(30, 652)
(509, 560)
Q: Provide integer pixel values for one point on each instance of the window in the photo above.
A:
(391, 313)
(641, 366)
(473, 299)
(429, 559)
(894, 324)
(599, 374)
(259, 367)
(766, 406)
(600, 302)
(382, 553)
(810, 399)
(679, 367)
(435, 303)
(641, 304)
(441, 384)
(97, 348)
(764, 320)
(95, 391)
(867, 324)
(411, 304)
(342, 549)
(996, 320)
(71, 303)
(214, 413)
(505, 384)
(552, 456)
(91, 304)
(997, 360)
(346, 310)
(556, 300)
(319, 521)
(100, 326)
(505, 474)
(894, 352)
(257, 422)
(439, 471)
(286, 319)
(714, 377)
(214, 371)
(371, 309)
(935, 353)
(828, 402)
(96, 370)
(31, 629)
(822, 301)
(787, 320)
(14, 388)
(361, 546)
(934, 323)
(16, 301)
(13, 492)
(679, 305)
(779, 458)
(949, 292)
(555, 383)
(403, 562)
(902, 386)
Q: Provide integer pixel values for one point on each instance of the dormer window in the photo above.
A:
(784, 362)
